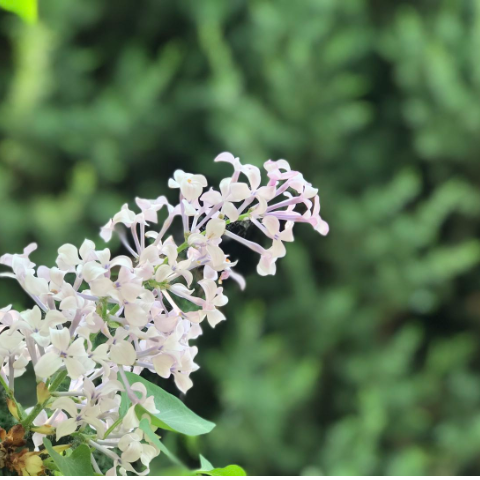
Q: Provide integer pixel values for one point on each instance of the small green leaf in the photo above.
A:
(25, 9)
(206, 468)
(230, 471)
(173, 414)
(77, 464)
(205, 465)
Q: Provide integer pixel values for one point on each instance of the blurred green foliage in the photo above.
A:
(361, 355)
(25, 9)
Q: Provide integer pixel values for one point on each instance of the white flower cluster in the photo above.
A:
(97, 316)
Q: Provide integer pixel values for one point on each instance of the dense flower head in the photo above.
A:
(97, 316)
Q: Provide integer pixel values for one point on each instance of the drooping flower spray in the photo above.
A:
(99, 319)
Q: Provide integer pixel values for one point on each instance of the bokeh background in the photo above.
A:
(361, 356)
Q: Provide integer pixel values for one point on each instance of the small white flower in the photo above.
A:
(88, 415)
(73, 356)
(190, 185)
(32, 324)
(12, 346)
(213, 298)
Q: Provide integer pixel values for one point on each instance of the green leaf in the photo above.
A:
(155, 439)
(205, 465)
(25, 9)
(230, 471)
(77, 464)
(173, 414)
(206, 468)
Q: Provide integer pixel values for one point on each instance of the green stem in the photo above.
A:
(5, 386)
(113, 427)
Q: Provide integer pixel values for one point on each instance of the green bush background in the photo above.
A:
(361, 355)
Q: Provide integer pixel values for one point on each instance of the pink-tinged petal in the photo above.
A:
(309, 191)
(121, 261)
(48, 365)
(238, 191)
(196, 239)
(60, 339)
(102, 287)
(87, 249)
(266, 265)
(136, 315)
(163, 271)
(253, 175)
(75, 368)
(266, 192)
(170, 251)
(150, 254)
(131, 291)
(188, 209)
(187, 275)
(220, 299)
(217, 257)
(97, 424)
(125, 216)
(214, 317)
(132, 453)
(92, 270)
(261, 207)
(54, 317)
(287, 234)
(33, 317)
(322, 227)
(195, 316)
(200, 179)
(225, 186)
(163, 364)
(272, 224)
(183, 382)
(69, 303)
(239, 279)
(191, 191)
(123, 353)
(179, 175)
(107, 230)
(65, 404)
(229, 158)
(67, 256)
(210, 273)
(180, 290)
(278, 165)
(165, 323)
(230, 211)
(212, 197)
(215, 228)
(66, 428)
(56, 276)
(36, 286)
(278, 249)
(173, 184)
(209, 287)
(77, 348)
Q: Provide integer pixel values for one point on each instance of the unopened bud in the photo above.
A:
(61, 448)
(12, 408)
(43, 393)
(44, 429)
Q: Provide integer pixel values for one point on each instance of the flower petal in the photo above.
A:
(48, 365)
